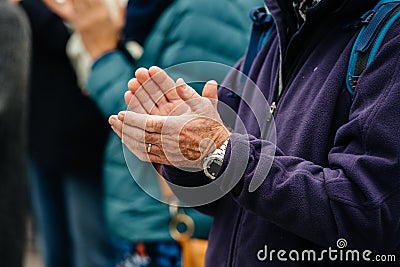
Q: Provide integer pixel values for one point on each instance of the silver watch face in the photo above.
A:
(214, 168)
(213, 165)
(212, 162)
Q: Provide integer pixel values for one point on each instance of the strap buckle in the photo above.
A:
(367, 17)
(261, 18)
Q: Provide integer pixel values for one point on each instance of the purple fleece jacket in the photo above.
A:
(336, 171)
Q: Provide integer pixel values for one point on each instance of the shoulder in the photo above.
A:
(206, 30)
(204, 24)
(233, 12)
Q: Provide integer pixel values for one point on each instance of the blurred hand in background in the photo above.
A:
(63, 8)
(98, 26)
(99, 29)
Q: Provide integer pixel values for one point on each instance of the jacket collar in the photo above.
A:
(283, 11)
(287, 22)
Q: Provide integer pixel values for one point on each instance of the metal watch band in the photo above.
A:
(214, 158)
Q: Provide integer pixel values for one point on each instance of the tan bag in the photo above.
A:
(193, 249)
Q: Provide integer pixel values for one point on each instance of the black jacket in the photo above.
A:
(66, 130)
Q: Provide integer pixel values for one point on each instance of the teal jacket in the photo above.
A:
(189, 30)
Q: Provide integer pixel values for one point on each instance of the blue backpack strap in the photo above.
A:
(263, 25)
(376, 24)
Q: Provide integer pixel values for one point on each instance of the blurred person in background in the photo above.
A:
(174, 39)
(65, 157)
(14, 67)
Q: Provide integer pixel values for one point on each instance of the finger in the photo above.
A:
(155, 149)
(185, 92)
(164, 82)
(134, 85)
(131, 137)
(142, 77)
(117, 131)
(156, 156)
(149, 123)
(210, 91)
(157, 159)
(134, 104)
(191, 98)
(135, 135)
(116, 125)
(153, 138)
(121, 115)
(141, 151)
(141, 136)
(145, 100)
(154, 91)
(128, 97)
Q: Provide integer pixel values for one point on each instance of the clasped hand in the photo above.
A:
(168, 122)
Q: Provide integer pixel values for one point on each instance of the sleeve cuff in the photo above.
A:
(104, 56)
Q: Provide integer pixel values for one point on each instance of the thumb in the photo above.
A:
(210, 91)
(128, 97)
(185, 92)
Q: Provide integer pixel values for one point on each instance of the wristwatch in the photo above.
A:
(212, 162)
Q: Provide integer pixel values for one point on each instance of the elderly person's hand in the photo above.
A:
(63, 8)
(186, 126)
(99, 29)
(153, 92)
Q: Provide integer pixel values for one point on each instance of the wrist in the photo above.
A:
(222, 138)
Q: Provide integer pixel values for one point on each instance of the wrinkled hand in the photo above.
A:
(99, 30)
(183, 126)
(153, 92)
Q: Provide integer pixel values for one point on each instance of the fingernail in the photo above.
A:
(180, 81)
(111, 120)
(131, 81)
(121, 115)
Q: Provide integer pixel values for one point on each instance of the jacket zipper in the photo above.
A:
(280, 85)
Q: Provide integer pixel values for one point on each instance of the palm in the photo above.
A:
(154, 92)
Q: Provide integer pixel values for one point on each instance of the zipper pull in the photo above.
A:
(272, 109)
